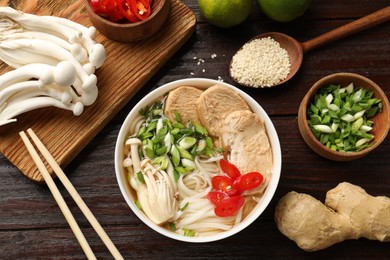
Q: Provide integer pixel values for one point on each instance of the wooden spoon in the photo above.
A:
(296, 49)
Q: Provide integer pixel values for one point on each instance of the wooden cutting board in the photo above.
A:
(127, 69)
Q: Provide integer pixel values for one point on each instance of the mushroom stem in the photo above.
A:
(76, 49)
(19, 58)
(134, 143)
(22, 106)
(36, 88)
(158, 201)
(64, 74)
(46, 48)
(36, 23)
(96, 51)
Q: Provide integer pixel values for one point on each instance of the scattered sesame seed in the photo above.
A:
(260, 63)
(213, 55)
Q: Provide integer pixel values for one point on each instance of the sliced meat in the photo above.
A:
(183, 100)
(245, 136)
(215, 104)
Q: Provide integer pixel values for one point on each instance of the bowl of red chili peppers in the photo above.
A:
(128, 20)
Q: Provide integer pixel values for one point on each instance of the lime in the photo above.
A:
(284, 10)
(225, 13)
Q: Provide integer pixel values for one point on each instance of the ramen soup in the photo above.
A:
(197, 160)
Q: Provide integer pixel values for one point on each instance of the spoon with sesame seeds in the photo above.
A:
(273, 58)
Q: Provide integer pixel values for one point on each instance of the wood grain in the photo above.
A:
(127, 69)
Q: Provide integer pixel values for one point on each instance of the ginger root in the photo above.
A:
(349, 213)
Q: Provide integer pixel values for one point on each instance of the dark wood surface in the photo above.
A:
(32, 226)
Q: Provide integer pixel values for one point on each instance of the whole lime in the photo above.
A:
(225, 13)
(284, 10)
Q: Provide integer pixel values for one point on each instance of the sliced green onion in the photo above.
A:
(323, 128)
(185, 154)
(361, 142)
(359, 114)
(201, 145)
(185, 206)
(172, 226)
(365, 128)
(177, 116)
(347, 118)
(350, 88)
(187, 142)
(176, 175)
(188, 164)
(189, 233)
(175, 155)
(357, 124)
(200, 129)
(333, 107)
(140, 177)
(138, 204)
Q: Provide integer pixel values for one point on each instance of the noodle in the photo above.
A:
(180, 199)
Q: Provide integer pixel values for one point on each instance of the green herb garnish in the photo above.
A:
(166, 142)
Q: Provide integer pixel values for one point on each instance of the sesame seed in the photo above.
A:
(260, 63)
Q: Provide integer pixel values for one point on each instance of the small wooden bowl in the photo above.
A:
(381, 120)
(130, 32)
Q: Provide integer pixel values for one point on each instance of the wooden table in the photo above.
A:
(32, 226)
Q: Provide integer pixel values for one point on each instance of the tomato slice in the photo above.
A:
(248, 181)
(141, 8)
(125, 9)
(224, 184)
(217, 197)
(229, 207)
(230, 169)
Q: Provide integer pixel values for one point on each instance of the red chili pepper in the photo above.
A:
(229, 207)
(217, 197)
(125, 9)
(108, 9)
(224, 184)
(116, 10)
(230, 169)
(248, 181)
(98, 7)
(141, 8)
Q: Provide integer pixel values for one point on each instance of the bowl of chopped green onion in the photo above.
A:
(344, 116)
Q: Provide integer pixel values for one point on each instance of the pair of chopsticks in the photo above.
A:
(72, 191)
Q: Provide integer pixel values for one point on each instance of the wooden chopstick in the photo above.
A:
(57, 196)
(72, 191)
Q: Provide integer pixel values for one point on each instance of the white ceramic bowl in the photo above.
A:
(200, 83)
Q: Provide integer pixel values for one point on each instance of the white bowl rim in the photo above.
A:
(272, 135)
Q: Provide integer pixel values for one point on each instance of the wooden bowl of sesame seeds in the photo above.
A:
(333, 136)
